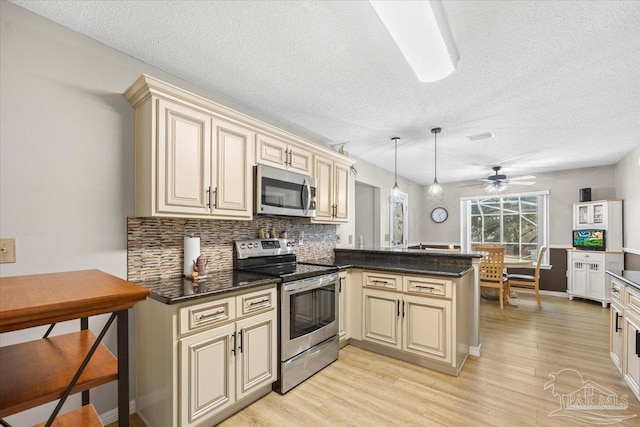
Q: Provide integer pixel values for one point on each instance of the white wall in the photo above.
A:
(627, 180)
(564, 187)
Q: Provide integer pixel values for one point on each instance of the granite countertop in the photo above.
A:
(630, 277)
(177, 289)
(407, 251)
(396, 266)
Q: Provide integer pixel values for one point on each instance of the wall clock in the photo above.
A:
(439, 215)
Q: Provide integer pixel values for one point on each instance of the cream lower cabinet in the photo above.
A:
(631, 355)
(221, 357)
(344, 323)
(421, 319)
(616, 338)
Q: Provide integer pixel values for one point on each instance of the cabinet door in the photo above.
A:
(578, 279)
(582, 216)
(427, 327)
(599, 214)
(183, 165)
(616, 335)
(631, 358)
(596, 280)
(271, 152)
(381, 318)
(324, 189)
(256, 353)
(233, 170)
(206, 366)
(343, 303)
(300, 160)
(341, 194)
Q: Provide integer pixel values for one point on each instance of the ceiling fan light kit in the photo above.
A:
(497, 183)
(421, 31)
(435, 192)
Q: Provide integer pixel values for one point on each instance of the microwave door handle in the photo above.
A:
(306, 203)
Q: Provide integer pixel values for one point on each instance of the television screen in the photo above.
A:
(589, 240)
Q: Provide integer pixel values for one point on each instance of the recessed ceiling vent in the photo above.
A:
(480, 136)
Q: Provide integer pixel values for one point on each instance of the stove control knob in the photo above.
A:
(242, 246)
(250, 245)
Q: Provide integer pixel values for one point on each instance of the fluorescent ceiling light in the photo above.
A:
(421, 31)
(480, 136)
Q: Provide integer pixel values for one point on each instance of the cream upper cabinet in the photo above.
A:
(332, 191)
(196, 165)
(277, 153)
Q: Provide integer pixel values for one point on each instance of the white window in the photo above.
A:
(517, 221)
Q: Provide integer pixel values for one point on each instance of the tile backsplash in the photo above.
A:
(155, 245)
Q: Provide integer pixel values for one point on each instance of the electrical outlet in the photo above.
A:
(386, 237)
(7, 251)
(337, 238)
(350, 239)
(301, 239)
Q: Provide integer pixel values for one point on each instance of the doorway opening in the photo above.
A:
(367, 215)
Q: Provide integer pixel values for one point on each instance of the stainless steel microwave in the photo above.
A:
(280, 192)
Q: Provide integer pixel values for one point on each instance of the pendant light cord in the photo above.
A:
(435, 156)
(395, 168)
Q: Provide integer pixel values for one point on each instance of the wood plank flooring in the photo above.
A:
(521, 346)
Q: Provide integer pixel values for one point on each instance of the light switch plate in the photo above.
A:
(350, 239)
(7, 251)
(386, 237)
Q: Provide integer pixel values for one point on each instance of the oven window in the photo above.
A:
(311, 310)
(281, 194)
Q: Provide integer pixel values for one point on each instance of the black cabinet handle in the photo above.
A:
(340, 285)
(402, 308)
(398, 301)
(637, 343)
(233, 344)
(617, 320)
(240, 347)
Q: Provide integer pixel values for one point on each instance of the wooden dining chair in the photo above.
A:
(492, 268)
(526, 281)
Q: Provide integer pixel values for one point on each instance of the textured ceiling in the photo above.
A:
(558, 82)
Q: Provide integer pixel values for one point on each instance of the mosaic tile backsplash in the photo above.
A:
(155, 245)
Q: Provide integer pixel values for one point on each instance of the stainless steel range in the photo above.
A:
(308, 301)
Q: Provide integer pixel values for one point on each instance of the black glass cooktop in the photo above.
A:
(292, 271)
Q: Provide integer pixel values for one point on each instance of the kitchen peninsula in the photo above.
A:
(414, 305)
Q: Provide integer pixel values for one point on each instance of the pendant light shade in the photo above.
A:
(435, 192)
(395, 190)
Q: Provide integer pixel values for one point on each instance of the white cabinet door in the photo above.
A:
(381, 318)
(578, 277)
(233, 184)
(277, 153)
(596, 280)
(324, 189)
(631, 358)
(300, 160)
(616, 335)
(183, 163)
(256, 352)
(427, 327)
(590, 215)
(207, 365)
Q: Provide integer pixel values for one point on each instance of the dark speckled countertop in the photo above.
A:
(406, 261)
(630, 277)
(177, 289)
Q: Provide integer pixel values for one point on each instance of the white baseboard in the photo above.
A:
(475, 351)
(112, 415)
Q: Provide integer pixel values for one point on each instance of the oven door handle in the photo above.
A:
(306, 201)
(316, 282)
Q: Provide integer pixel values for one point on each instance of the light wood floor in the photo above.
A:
(521, 346)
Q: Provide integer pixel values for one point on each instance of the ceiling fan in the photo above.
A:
(497, 183)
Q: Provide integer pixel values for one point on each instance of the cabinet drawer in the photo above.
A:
(588, 256)
(428, 285)
(372, 279)
(616, 290)
(195, 317)
(253, 302)
(633, 300)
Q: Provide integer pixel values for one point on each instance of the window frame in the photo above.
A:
(542, 213)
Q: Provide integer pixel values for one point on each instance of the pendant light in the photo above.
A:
(435, 192)
(395, 191)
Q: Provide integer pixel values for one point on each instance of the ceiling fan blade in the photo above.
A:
(522, 183)
(521, 178)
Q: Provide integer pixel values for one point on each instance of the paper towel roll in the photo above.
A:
(191, 252)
